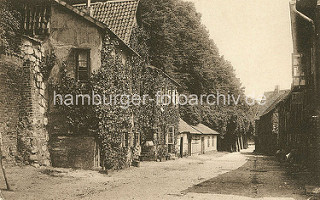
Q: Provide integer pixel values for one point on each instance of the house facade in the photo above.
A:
(298, 112)
(62, 39)
(159, 117)
(195, 140)
(269, 128)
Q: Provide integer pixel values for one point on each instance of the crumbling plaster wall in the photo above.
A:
(69, 32)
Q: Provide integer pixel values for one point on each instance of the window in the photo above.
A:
(170, 135)
(212, 141)
(124, 140)
(297, 70)
(83, 64)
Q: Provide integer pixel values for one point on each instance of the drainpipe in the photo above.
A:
(313, 40)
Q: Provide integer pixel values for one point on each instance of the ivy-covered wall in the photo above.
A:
(113, 125)
(155, 119)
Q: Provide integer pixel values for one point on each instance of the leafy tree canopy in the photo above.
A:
(180, 45)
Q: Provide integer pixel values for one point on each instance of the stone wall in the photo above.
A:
(33, 138)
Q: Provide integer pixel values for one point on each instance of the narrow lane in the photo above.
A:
(216, 175)
(261, 177)
(153, 180)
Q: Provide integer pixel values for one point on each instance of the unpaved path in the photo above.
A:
(153, 180)
(261, 177)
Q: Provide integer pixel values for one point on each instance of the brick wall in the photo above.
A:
(23, 107)
(9, 106)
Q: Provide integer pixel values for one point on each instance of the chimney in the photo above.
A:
(89, 8)
(277, 89)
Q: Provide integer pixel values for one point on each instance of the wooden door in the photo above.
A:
(202, 145)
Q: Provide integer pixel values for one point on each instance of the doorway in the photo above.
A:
(202, 145)
(181, 147)
(189, 146)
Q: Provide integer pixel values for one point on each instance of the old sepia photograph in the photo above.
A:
(159, 99)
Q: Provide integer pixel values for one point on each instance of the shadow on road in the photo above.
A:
(261, 176)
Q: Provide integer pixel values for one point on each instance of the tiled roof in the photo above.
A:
(271, 98)
(84, 15)
(119, 16)
(199, 129)
(277, 101)
(205, 130)
(184, 127)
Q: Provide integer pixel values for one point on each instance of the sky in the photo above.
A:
(255, 36)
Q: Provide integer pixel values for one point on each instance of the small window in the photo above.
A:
(170, 135)
(213, 141)
(209, 141)
(124, 140)
(83, 64)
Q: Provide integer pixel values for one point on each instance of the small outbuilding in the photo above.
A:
(197, 139)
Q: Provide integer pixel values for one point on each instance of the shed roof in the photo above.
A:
(271, 98)
(199, 129)
(276, 102)
(119, 16)
(184, 127)
(205, 130)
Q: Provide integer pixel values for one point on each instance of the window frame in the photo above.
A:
(125, 140)
(170, 133)
(88, 68)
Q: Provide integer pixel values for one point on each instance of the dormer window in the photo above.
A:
(83, 64)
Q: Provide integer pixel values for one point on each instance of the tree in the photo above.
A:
(180, 45)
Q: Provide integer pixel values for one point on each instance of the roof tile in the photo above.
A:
(119, 16)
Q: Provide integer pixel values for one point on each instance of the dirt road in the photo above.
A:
(196, 177)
